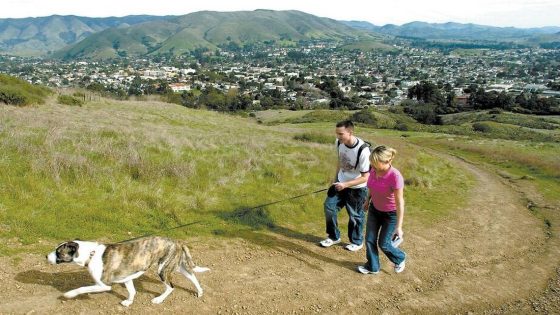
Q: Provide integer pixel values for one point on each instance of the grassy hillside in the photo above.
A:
(533, 162)
(114, 170)
(369, 45)
(528, 121)
(458, 31)
(14, 91)
(210, 29)
(41, 35)
(481, 124)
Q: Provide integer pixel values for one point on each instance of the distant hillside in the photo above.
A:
(14, 91)
(455, 31)
(208, 29)
(362, 25)
(38, 36)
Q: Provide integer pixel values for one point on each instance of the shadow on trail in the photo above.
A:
(66, 281)
(61, 281)
(262, 225)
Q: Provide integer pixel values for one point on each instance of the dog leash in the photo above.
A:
(291, 198)
(255, 207)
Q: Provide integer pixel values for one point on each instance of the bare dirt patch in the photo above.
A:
(494, 256)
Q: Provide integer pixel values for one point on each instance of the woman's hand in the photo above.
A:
(366, 205)
(398, 232)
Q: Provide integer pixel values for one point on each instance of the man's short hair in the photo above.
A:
(348, 124)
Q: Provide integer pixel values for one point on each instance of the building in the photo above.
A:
(179, 87)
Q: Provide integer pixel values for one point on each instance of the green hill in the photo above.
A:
(459, 31)
(42, 35)
(479, 124)
(208, 29)
(368, 45)
(14, 91)
(521, 120)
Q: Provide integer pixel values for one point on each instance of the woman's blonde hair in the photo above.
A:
(382, 154)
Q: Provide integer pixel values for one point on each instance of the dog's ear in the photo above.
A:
(73, 248)
(66, 252)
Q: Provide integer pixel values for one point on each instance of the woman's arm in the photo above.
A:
(367, 201)
(399, 200)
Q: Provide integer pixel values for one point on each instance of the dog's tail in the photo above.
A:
(188, 261)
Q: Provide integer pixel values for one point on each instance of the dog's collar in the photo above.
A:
(89, 258)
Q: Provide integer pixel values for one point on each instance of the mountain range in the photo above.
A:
(42, 35)
(454, 31)
(207, 29)
(83, 37)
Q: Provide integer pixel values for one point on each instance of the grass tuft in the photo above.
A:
(314, 137)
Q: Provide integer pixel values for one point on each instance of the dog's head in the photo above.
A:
(65, 252)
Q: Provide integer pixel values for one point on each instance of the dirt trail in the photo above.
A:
(493, 256)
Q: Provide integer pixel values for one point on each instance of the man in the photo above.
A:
(349, 188)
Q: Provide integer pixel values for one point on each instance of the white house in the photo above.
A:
(179, 87)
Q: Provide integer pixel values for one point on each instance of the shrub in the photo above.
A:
(401, 126)
(422, 113)
(495, 111)
(14, 91)
(13, 96)
(69, 100)
(418, 182)
(481, 127)
(79, 95)
(364, 116)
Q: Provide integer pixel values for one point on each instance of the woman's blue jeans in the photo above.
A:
(379, 230)
(353, 200)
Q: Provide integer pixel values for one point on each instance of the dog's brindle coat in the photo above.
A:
(126, 261)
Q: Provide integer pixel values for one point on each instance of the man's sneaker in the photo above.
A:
(365, 271)
(400, 267)
(354, 247)
(328, 242)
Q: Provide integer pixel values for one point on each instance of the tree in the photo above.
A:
(213, 99)
(423, 113)
(135, 86)
(267, 102)
(427, 92)
(188, 99)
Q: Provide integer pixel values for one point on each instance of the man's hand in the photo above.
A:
(339, 186)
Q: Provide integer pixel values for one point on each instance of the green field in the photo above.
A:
(114, 170)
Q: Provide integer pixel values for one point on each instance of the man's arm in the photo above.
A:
(357, 181)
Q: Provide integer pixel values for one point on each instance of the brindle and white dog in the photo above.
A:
(126, 261)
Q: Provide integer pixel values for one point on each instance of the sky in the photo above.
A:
(503, 13)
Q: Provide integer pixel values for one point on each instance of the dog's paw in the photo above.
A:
(199, 293)
(70, 294)
(126, 303)
(157, 300)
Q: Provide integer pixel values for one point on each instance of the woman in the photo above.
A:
(386, 211)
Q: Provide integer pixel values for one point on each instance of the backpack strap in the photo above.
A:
(364, 145)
